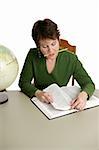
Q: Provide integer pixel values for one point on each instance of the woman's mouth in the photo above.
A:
(49, 55)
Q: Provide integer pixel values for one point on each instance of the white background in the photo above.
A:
(77, 20)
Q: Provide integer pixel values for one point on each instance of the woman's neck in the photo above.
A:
(51, 60)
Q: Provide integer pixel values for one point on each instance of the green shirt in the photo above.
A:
(67, 64)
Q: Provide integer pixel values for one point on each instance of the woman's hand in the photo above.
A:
(44, 96)
(80, 102)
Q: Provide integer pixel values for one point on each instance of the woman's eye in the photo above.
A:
(44, 46)
(54, 43)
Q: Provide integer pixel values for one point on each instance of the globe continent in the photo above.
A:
(8, 67)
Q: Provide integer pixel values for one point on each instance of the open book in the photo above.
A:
(62, 96)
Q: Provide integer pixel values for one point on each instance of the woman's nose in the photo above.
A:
(49, 49)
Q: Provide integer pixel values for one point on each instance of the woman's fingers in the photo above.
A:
(80, 107)
(75, 103)
(44, 96)
(47, 97)
(72, 102)
(78, 104)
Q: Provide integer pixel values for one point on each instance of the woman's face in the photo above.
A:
(49, 48)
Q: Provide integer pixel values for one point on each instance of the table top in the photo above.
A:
(24, 127)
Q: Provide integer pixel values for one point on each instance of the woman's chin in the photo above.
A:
(51, 57)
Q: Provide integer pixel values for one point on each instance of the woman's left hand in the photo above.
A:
(80, 102)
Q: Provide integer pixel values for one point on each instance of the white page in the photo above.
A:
(60, 101)
(72, 91)
(92, 102)
(49, 110)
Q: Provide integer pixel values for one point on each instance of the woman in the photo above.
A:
(46, 65)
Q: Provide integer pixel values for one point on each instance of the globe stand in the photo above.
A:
(3, 97)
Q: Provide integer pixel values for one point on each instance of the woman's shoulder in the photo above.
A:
(67, 53)
(32, 52)
(68, 56)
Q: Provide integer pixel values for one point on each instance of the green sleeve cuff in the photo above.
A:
(89, 89)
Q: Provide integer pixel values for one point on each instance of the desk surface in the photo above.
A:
(24, 127)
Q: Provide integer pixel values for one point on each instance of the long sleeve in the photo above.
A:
(26, 76)
(67, 64)
(83, 79)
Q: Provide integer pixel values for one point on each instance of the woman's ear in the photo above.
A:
(39, 53)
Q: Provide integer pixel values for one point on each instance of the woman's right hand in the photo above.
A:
(44, 96)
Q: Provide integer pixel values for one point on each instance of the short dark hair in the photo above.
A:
(43, 29)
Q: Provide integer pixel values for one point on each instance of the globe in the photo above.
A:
(8, 67)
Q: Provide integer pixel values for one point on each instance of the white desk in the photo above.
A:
(24, 127)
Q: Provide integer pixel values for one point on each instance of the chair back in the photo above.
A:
(65, 44)
(71, 48)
